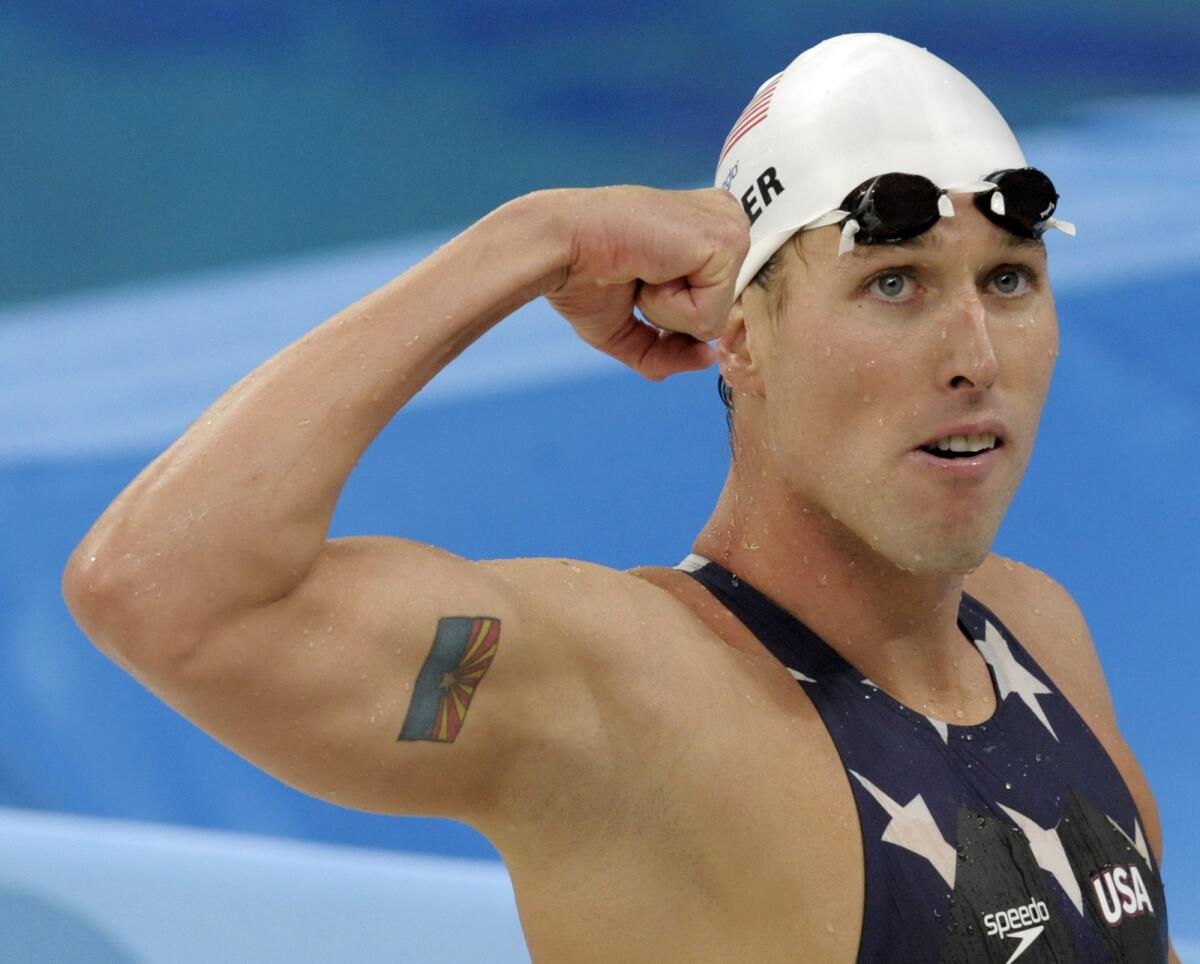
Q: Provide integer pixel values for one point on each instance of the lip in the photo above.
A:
(976, 467)
(987, 426)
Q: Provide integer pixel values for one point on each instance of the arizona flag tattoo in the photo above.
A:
(463, 649)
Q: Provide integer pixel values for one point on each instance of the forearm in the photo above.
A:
(236, 511)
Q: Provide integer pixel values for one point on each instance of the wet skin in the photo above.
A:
(660, 787)
(869, 356)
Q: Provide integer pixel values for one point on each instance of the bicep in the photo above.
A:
(396, 678)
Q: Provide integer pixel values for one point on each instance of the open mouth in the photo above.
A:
(963, 446)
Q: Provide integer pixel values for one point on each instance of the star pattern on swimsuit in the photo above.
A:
(1011, 676)
(913, 828)
(1137, 841)
(942, 727)
(1049, 853)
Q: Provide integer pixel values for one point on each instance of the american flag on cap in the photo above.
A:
(754, 114)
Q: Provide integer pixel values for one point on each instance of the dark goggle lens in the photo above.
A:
(893, 207)
(1029, 201)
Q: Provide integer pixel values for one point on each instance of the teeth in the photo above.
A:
(966, 443)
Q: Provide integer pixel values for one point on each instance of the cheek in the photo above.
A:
(1030, 354)
(828, 414)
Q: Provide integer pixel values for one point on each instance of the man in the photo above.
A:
(840, 729)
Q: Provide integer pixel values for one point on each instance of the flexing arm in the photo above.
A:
(211, 577)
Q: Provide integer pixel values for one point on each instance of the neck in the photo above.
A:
(899, 627)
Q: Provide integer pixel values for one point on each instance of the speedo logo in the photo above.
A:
(1024, 923)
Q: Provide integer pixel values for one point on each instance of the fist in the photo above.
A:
(674, 256)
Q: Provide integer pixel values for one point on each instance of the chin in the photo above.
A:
(941, 559)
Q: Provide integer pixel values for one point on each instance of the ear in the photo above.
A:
(735, 358)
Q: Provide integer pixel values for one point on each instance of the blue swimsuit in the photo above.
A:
(1011, 840)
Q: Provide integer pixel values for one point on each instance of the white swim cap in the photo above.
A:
(844, 111)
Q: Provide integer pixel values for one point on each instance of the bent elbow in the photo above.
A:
(122, 615)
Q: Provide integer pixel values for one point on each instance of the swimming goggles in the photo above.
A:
(895, 207)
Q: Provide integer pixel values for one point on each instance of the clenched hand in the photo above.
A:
(672, 255)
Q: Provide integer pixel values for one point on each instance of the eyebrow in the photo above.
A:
(930, 240)
(1016, 242)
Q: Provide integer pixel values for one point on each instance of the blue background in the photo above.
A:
(174, 173)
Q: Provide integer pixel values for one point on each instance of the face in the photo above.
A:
(890, 348)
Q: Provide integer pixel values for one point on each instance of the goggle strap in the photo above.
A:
(849, 230)
(969, 187)
(833, 217)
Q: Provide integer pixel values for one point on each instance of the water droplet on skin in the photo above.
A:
(823, 580)
(958, 714)
(944, 333)
(304, 421)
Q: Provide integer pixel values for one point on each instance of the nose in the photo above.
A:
(968, 361)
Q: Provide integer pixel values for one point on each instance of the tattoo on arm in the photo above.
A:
(463, 649)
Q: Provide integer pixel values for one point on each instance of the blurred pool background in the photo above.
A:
(187, 187)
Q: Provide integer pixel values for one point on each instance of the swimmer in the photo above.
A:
(840, 729)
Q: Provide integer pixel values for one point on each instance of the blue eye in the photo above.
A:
(1008, 281)
(891, 284)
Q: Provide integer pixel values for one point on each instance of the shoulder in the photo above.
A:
(590, 602)
(1049, 624)
(628, 632)
(1044, 616)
